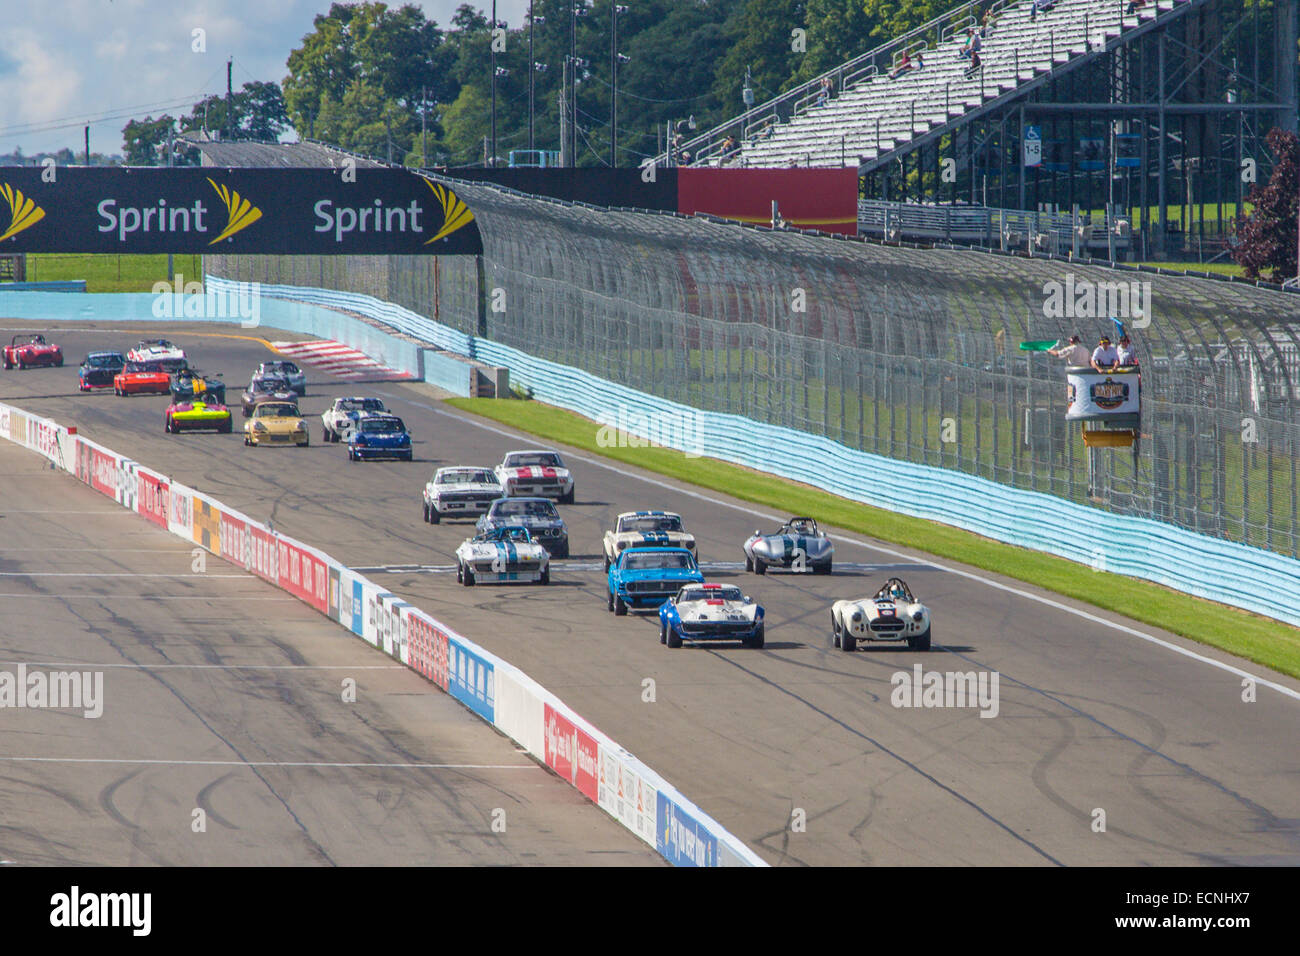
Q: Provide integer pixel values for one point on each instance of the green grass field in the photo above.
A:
(112, 273)
(1251, 636)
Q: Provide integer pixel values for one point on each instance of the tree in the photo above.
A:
(143, 139)
(259, 112)
(466, 122)
(1267, 240)
(365, 122)
(762, 41)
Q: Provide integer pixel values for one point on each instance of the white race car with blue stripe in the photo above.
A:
(502, 554)
(798, 545)
(647, 529)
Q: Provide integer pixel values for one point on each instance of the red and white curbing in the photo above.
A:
(340, 360)
(633, 794)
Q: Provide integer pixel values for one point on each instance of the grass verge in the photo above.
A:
(110, 272)
(1251, 636)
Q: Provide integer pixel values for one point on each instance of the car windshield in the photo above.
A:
(107, 360)
(462, 476)
(655, 560)
(540, 459)
(152, 367)
(385, 426)
(276, 410)
(288, 367)
(268, 384)
(648, 523)
(804, 526)
(156, 344)
(508, 534)
(713, 594)
(36, 339)
(523, 506)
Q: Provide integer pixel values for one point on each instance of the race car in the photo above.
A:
(538, 515)
(30, 350)
(502, 554)
(193, 416)
(798, 545)
(340, 418)
(142, 378)
(171, 356)
(187, 384)
(538, 473)
(288, 371)
(276, 423)
(98, 369)
(266, 388)
(649, 576)
(703, 612)
(644, 528)
(893, 615)
(379, 436)
(453, 492)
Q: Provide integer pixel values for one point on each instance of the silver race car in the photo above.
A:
(797, 545)
(892, 615)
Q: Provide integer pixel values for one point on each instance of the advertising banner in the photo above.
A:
(470, 679)
(207, 523)
(18, 427)
(825, 199)
(4, 421)
(180, 518)
(624, 795)
(426, 647)
(303, 574)
(1097, 396)
(572, 753)
(153, 495)
(126, 483)
(195, 210)
(680, 838)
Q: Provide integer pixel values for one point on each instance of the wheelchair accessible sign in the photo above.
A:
(1033, 146)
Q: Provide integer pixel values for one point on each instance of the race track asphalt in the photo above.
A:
(222, 736)
(796, 748)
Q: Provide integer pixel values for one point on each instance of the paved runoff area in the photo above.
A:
(187, 713)
(1097, 741)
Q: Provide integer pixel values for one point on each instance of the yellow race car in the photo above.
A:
(276, 423)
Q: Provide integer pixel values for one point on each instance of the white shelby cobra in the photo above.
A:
(647, 529)
(502, 554)
(460, 492)
(893, 615)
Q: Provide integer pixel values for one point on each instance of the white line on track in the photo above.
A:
(59, 511)
(86, 665)
(969, 575)
(117, 574)
(91, 595)
(275, 763)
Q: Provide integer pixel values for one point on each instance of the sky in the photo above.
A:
(104, 62)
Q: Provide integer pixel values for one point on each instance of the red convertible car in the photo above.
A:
(142, 378)
(26, 351)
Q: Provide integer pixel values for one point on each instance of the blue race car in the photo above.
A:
(99, 369)
(710, 612)
(379, 436)
(650, 576)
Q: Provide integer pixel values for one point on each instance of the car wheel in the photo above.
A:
(749, 563)
(920, 642)
(835, 630)
(59, 363)
(22, 364)
(425, 506)
(8, 365)
(674, 639)
(567, 499)
(545, 577)
(227, 427)
(847, 641)
(663, 632)
(434, 516)
(304, 444)
(759, 566)
(561, 551)
(824, 568)
(620, 606)
(607, 564)
(468, 580)
(460, 574)
(758, 638)
(610, 604)
(324, 433)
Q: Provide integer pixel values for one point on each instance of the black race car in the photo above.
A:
(267, 388)
(98, 368)
(189, 385)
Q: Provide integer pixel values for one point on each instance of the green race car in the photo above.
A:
(197, 416)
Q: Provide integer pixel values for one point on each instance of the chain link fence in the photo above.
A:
(906, 352)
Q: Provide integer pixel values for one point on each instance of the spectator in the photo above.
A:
(974, 64)
(1104, 356)
(904, 65)
(1074, 352)
(826, 90)
(920, 60)
(1135, 5)
(987, 23)
(968, 47)
(1125, 352)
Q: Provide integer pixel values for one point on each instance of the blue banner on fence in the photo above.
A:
(470, 679)
(680, 838)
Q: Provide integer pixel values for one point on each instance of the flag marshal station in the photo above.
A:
(216, 210)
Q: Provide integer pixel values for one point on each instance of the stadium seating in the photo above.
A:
(874, 114)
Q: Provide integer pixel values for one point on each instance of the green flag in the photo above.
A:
(1041, 346)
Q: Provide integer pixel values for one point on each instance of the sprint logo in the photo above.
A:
(455, 214)
(23, 213)
(240, 213)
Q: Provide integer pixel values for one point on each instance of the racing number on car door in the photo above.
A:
(499, 563)
(799, 559)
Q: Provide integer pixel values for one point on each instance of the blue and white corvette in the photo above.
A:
(798, 545)
(379, 436)
(646, 529)
(704, 612)
(502, 555)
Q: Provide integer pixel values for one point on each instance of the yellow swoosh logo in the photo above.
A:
(240, 213)
(455, 214)
(23, 213)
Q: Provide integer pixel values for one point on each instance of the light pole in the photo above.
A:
(533, 70)
(614, 59)
(577, 9)
(492, 51)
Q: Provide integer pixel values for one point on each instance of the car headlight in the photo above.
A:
(300, 427)
(916, 616)
(857, 617)
(258, 427)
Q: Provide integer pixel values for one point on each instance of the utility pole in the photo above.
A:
(424, 110)
(565, 158)
(532, 75)
(87, 145)
(171, 264)
(614, 58)
(492, 49)
(230, 99)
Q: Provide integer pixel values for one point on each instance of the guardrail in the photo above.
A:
(1249, 578)
(497, 691)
